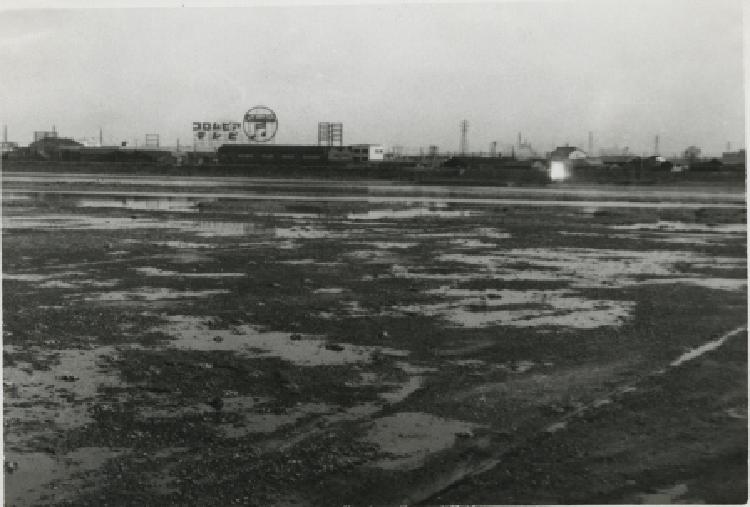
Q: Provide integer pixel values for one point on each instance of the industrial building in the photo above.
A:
(297, 154)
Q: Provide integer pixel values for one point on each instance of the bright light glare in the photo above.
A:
(557, 170)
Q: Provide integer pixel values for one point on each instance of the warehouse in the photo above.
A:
(295, 154)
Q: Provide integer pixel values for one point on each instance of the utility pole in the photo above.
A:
(463, 147)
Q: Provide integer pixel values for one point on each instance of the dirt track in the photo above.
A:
(275, 342)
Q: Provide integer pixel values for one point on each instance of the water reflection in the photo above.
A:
(411, 437)
(161, 204)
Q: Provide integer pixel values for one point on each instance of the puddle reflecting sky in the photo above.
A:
(150, 294)
(193, 333)
(667, 226)
(588, 267)
(47, 479)
(58, 403)
(410, 437)
(173, 204)
(151, 271)
(380, 214)
(526, 308)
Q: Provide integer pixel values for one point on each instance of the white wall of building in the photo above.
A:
(376, 153)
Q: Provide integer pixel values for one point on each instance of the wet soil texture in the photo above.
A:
(225, 341)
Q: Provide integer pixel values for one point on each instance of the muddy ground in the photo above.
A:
(226, 341)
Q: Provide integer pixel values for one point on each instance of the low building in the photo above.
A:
(298, 154)
(7, 146)
(279, 154)
(51, 147)
(368, 152)
(563, 153)
(561, 161)
(733, 157)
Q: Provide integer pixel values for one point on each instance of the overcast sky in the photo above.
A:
(393, 74)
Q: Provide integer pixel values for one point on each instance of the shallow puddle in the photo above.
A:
(529, 308)
(183, 244)
(391, 245)
(380, 256)
(380, 214)
(731, 284)
(38, 402)
(151, 271)
(193, 333)
(52, 280)
(411, 437)
(201, 228)
(471, 243)
(303, 233)
(664, 496)
(42, 478)
(172, 204)
(667, 226)
(152, 294)
(329, 290)
(586, 267)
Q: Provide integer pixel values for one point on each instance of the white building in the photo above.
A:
(367, 152)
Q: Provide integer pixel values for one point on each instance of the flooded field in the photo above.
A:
(223, 341)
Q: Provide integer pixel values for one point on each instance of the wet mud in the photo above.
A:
(225, 341)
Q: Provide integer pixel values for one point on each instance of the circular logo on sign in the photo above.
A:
(260, 124)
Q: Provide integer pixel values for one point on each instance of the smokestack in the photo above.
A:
(5, 133)
(100, 137)
(591, 143)
(656, 145)
(519, 139)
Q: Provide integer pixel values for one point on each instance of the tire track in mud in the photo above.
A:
(471, 466)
